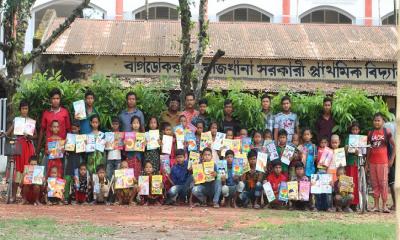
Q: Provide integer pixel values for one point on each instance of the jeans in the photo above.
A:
(112, 165)
(251, 194)
(218, 187)
(203, 191)
(179, 191)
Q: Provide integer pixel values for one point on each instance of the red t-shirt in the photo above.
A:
(275, 181)
(62, 115)
(378, 153)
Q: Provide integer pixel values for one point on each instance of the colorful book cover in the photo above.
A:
(190, 139)
(208, 169)
(156, 185)
(320, 183)
(326, 157)
(144, 185)
(357, 141)
(198, 173)
(96, 183)
(90, 143)
(152, 137)
(339, 157)
(205, 140)
(262, 159)
(218, 142)
(19, 126)
(119, 140)
(226, 145)
(30, 126)
(283, 192)
(80, 143)
(179, 133)
(55, 149)
(345, 184)
(79, 109)
(70, 143)
(55, 187)
(110, 141)
(237, 166)
(167, 144)
(304, 191)
(28, 174)
(222, 169)
(140, 142)
(246, 165)
(124, 178)
(100, 142)
(38, 175)
(269, 192)
(246, 143)
(129, 141)
(273, 153)
(287, 154)
(194, 158)
(236, 145)
(293, 190)
(165, 164)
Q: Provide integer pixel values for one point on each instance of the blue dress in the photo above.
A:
(311, 152)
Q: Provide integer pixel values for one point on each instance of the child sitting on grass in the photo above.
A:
(180, 178)
(151, 199)
(275, 178)
(82, 186)
(343, 199)
(31, 193)
(58, 198)
(126, 195)
(101, 185)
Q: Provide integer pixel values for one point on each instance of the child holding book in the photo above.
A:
(153, 155)
(199, 130)
(268, 137)
(187, 126)
(229, 134)
(309, 152)
(125, 195)
(323, 143)
(54, 200)
(229, 182)
(275, 178)
(214, 129)
(300, 176)
(343, 198)
(101, 185)
(167, 130)
(113, 156)
(258, 142)
(55, 128)
(82, 185)
(243, 133)
(180, 179)
(135, 159)
(151, 199)
(97, 157)
(31, 193)
(282, 143)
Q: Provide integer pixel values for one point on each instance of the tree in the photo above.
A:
(16, 14)
(193, 76)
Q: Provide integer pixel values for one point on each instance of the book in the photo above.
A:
(320, 183)
(304, 191)
(33, 174)
(79, 109)
(237, 166)
(124, 178)
(190, 139)
(269, 192)
(272, 152)
(109, 141)
(287, 154)
(96, 183)
(152, 137)
(80, 143)
(205, 140)
(165, 164)
(345, 184)
(262, 159)
(129, 141)
(218, 142)
(208, 169)
(119, 140)
(357, 141)
(55, 149)
(167, 144)
(194, 158)
(90, 143)
(198, 173)
(30, 126)
(180, 137)
(293, 190)
(19, 126)
(100, 142)
(222, 169)
(246, 165)
(140, 142)
(70, 142)
(236, 145)
(55, 187)
(144, 185)
(246, 143)
(326, 157)
(283, 192)
(156, 185)
(226, 145)
(339, 157)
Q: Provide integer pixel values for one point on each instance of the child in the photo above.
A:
(229, 133)
(282, 142)
(126, 195)
(214, 129)
(187, 126)
(323, 143)
(82, 186)
(258, 142)
(180, 179)
(199, 130)
(153, 155)
(300, 176)
(31, 193)
(275, 178)
(379, 161)
(113, 156)
(101, 185)
(207, 189)
(268, 137)
(309, 152)
(335, 143)
(342, 199)
(134, 158)
(229, 182)
(167, 130)
(150, 199)
(243, 133)
(95, 158)
(296, 139)
(251, 184)
(55, 128)
(54, 200)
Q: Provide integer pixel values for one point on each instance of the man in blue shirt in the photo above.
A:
(126, 115)
(84, 124)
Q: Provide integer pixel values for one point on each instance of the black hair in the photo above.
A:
(153, 117)
(265, 96)
(23, 103)
(83, 164)
(181, 116)
(378, 114)
(227, 102)
(229, 152)
(327, 99)
(94, 116)
(267, 131)
(282, 132)
(298, 164)
(100, 167)
(33, 158)
(190, 94)
(75, 123)
(138, 118)
(173, 98)
(130, 94)
(257, 132)
(340, 168)
(211, 123)
(179, 152)
(147, 163)
(284, 98)
(54, 91)
(115, 119)
(200, 121)
(252, 153)
(276, 163)
(165, 125)
(324, 138)
(306, 129)
(207, 149)
(89, 93)
(354, 124)
(229, 129)
(203, 101)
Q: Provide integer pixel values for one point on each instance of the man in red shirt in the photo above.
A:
(56, 112)
(190, 112)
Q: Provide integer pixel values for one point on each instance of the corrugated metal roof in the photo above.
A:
(238, 40)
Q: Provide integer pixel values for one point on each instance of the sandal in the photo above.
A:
(375, 210)
(385, 210)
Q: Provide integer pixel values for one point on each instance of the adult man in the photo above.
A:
(190, 112)
(229, 122)
(171, 115)
(286, 120)
(268, 116)
(125, 116)
(325, 122)
(84, 124)
(202, 114)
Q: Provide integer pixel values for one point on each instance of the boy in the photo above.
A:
(31, 193)
(286, 120)
(85, 127)
(125, 196)
(229, 121)
(300, 176)
(180, 179)
(275, 178)
(55, 129)
(54, 200)
(202, 114)
(282, 142)
(343, 199)
(113, 156)
(251, 184)
(101, 185)
(227, 184)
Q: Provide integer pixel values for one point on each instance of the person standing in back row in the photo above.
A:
(286, 120)
(325, 122)
(125, 116)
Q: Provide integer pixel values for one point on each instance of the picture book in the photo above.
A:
(304, 191)
(19, 126)
(129, 141)
(345, 184)
(70, 142)
(208, 169)
(358, 141)
(320, 183)
(100, 142)
(194, 158)
(140, 142)
(90, 142)
(55, 149)
(287, 154)
(30, 126)
(96, 183)
(246, 143)
(218, 142)
(198, 173)
(222, 169)
(165, 164)
(167, 144)
(124, 178)
(271, 150)
(33, 174)
(119, 140)
(144, 185)
(79, 109)
(293, 190)
(339, 157)
(236, 145)
(190, 139)
(156, 185)
(326, 157)
(262, 159)
(246, 165)
(55, 187)
(205, 140)
(152, 138)
(269, 192)
(237, 166)
(179, 133)
(109, 141)
(283, 192)
(80, 143)
(226, 145)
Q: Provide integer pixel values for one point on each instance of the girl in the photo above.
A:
(309, 152)
(150, 199)
(167, 130)
(199, 130)
(55, 128)
(187, 126)
(153, 155)
(126, 195)
(95, 158)
(243, 133)
(53, 173)
(214, 129)
(27, 148)
(258, 142)
(134, 158)
(101, 186)
(351, 164)
(82, 186)
(268, 137)
(229, 134)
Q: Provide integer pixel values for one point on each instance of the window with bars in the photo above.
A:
(167, 13)
(389, 20)
(326, 16)
(244, 15)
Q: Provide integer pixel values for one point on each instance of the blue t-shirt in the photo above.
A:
(179, 173)
(84, 124)
(229, 180)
